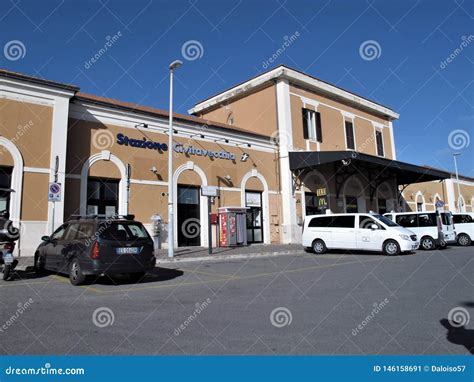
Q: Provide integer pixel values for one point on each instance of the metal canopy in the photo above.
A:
(374, 169)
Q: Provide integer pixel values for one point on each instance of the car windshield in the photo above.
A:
(123, 231)
(385, 220)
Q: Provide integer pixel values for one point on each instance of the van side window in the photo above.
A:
(323, 221)
(409, 220)
(427, 220)
(345, 221)
(365, 222)
(460, 219)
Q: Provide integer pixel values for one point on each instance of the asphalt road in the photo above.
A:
(305, 304)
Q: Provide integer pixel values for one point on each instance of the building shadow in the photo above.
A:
(459, 335)
(156, 275)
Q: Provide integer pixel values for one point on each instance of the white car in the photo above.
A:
(464, 223)
(366, 232)
(434, 229)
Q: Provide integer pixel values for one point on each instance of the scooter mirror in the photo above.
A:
(45, 238)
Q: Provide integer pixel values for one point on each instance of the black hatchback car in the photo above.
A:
(95, 245)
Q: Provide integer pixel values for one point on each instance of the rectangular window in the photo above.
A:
(350, 135)
(316, 204)
(102, 196)
(312, 128)
(382, 206)
(379, 140)
(351, 204)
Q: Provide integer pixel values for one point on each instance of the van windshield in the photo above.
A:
(385, 220)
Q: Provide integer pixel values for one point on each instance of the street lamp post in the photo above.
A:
(174, 65)
(457, 180)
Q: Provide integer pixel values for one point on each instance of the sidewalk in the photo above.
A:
(187, 254)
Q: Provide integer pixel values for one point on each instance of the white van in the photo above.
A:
(432, 228)
(464, 223)
(366, 232)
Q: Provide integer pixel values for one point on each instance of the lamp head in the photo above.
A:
(175, 64)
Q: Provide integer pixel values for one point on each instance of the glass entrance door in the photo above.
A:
(253, 201)
(189, 224)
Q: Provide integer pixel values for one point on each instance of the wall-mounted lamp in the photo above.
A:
(154, 170)
(144, 125)
(228, 178)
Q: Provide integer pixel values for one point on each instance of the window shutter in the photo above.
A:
(305, 124)
(319, 130)
(378, 135)
(350, 135)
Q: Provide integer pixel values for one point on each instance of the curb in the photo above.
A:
(229, 257)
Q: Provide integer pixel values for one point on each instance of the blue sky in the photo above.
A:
(411, 71)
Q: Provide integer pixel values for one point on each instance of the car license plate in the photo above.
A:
(127, 250)
(8, 258)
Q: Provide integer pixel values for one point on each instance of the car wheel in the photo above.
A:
(75, 273)
(427, 243)
(319, 247)
(39, 265)
(464, 240)
(391, 248)
(136, 277)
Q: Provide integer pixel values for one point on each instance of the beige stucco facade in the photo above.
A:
(239, 142)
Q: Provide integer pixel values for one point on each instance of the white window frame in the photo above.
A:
(351, 120)
(376, 145)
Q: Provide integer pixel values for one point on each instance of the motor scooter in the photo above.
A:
(8, 236)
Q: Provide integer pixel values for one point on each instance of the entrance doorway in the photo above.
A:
(189, 224)
(253, 200)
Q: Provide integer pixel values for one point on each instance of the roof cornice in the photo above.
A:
(297, 78)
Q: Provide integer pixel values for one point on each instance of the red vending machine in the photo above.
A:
(232, 226)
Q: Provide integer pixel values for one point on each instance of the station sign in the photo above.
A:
(209, 191)
(141, 143)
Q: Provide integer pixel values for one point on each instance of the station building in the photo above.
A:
(283, 144)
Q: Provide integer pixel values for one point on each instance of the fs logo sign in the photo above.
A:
(244, 157)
